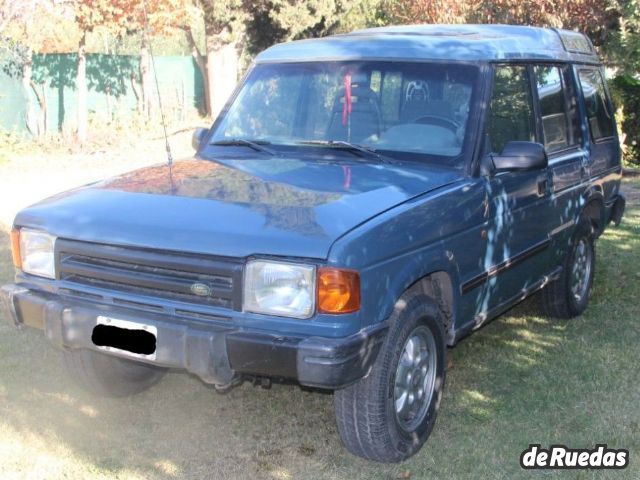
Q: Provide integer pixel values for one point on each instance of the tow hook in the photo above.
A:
(223, 389)
(256, 381)
(263, 382)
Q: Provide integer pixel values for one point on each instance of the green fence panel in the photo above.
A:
(111, 94)
(12, 105)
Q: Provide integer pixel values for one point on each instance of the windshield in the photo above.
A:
(421, 109)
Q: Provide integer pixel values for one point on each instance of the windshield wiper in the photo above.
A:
(257, 145)
(354, 148)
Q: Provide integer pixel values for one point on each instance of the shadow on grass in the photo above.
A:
(519, 380)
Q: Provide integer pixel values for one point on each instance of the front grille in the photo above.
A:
(152, 273)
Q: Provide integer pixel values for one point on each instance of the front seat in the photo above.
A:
(365, 115)
(416, 100)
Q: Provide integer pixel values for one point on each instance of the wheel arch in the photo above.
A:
(439, 286)
(594, 210)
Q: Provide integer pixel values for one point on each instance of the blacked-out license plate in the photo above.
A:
(132, 339)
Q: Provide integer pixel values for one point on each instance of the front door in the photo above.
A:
(517, 240)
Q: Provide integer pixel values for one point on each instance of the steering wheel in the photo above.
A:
(439, 121)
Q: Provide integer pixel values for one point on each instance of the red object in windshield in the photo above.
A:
(346, 171)
(346, 107)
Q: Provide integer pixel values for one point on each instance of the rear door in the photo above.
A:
(604, 159)
(561, 125)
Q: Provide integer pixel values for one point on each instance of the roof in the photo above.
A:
(440, 42)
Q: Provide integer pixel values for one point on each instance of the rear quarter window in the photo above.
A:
(598, 108)
(558, 111)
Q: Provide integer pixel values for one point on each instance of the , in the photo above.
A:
(362, 202)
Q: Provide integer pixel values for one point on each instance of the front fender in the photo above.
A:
(403, 245)
(386, 283)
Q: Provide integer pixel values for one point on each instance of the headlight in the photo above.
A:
(279, 288)
(36, 253)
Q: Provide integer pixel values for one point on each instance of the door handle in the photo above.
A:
(543, 187)
(584, 167)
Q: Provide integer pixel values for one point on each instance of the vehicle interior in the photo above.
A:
(408, 107)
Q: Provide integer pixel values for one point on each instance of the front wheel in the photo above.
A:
(568, 296)
(388, 415)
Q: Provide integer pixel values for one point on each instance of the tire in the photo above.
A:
(561, 298)
(366, 413)
(109, 376)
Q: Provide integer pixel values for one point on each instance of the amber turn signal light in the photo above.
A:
(338, 290)
(15, 248)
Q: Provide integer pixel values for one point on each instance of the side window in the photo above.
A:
(557, 107)
(511, 110)
(599, 114)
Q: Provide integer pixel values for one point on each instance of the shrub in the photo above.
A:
(625, 90)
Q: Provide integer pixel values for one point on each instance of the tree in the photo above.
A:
(427, 11)
(118, 17)
(589, 16)
(152, 19)
(36, 28)
(273, 21)
(593, 17)
(157, 18)
(622, 45)
(114, 16)
(224, 30)
(20, 11)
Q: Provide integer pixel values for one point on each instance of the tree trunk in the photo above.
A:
(201, 62)
(218, 66)
(81, 85)
(135, 88)
(202, 66)
(107, 92)
(222, 72)
(41, 95)
(222, 68)
(145, 80)
(31, 115)
(45, 110)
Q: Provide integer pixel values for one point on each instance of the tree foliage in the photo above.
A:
(273, 21)
(20, 11)
(427, 11)
(623, 45)
(594, 17)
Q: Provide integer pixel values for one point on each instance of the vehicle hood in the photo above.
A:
(234, 207)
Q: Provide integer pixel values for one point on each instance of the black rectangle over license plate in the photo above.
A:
(129, 338)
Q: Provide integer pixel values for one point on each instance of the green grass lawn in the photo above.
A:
(522, 379)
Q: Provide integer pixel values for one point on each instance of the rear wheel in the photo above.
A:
(388, 415)
(568, 296)
(109, 376)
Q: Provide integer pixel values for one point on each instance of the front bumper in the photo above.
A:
(216, 354)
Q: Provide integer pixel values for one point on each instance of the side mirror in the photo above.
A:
(198, 137)
(520, 156)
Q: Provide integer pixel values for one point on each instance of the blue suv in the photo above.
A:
(362, 202)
